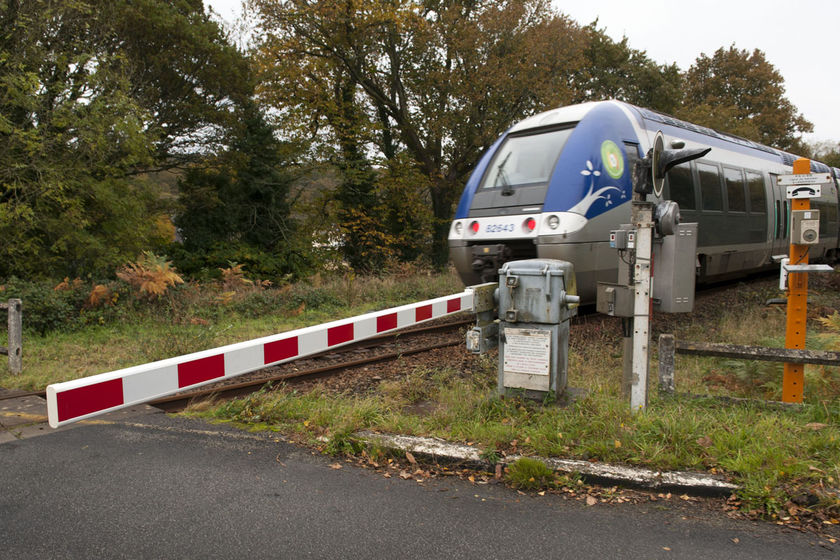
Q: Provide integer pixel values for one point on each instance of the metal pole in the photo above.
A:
(643, 223)
(793, 381)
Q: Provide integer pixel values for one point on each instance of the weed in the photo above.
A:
(233, 277)
(491, 455)
(343, 443)
(530, 474)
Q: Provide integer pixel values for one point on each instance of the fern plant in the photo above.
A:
(152, 275)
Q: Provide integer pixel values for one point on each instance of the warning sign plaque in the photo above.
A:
(527, 351)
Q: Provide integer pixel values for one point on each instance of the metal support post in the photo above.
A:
(793, 382)
(643, 222)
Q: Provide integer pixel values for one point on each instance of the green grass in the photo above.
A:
(530, 474)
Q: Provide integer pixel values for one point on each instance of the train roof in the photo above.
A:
(575, 113)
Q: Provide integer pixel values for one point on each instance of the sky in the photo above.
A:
(798, 38)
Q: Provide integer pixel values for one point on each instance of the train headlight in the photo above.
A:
(475, 227)
(553, 222)
(459, 228)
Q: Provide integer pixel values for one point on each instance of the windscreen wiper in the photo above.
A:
(507, 190)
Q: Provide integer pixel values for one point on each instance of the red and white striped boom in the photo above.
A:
(75, 400)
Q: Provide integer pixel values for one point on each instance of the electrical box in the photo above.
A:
(618, 239)
(615, 299)
(804, 227)
(485, 334)
(674, 271)
(537, 298)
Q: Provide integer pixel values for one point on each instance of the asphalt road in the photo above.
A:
(161, 487)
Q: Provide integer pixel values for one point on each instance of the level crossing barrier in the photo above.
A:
(83, 398)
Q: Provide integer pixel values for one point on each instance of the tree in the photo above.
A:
(183, 71)
(236, 206)
(434, 81)
(742, 93)
(92, 96)
(616, 71)
(70, 132)
(826, 152)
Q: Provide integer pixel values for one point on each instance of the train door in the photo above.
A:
(779, 217)
(836, 172)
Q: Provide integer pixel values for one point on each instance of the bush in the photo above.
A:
(47, 306)
(204, 264)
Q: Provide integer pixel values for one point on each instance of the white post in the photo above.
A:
(643, 223)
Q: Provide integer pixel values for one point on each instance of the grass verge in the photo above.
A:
(787, 460)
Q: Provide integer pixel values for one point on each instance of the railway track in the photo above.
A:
(379, 349)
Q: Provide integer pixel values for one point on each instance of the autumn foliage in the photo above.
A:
(151, 275)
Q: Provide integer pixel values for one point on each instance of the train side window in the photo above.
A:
(681, 187)
(710, 189)
(735, 194)
(758, 198)
(828, 217)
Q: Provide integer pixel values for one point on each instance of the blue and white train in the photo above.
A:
(555, 184)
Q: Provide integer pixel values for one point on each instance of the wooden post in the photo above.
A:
(15, 335)
(666, 363)
(793, 382)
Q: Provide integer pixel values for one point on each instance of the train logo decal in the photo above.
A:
(604, 193)
(613, 159)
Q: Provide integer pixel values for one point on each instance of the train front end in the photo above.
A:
(553, 186)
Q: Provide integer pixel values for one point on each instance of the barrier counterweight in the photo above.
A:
(76, 400)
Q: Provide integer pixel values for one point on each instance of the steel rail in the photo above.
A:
(177, 403)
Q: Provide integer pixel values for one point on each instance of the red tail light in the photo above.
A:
(530, 224)
(474, 227)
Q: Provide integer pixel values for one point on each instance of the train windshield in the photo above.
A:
(526, 159)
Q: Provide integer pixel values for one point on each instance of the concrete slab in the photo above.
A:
(26, 416)
(691, 482)
(22, 410)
